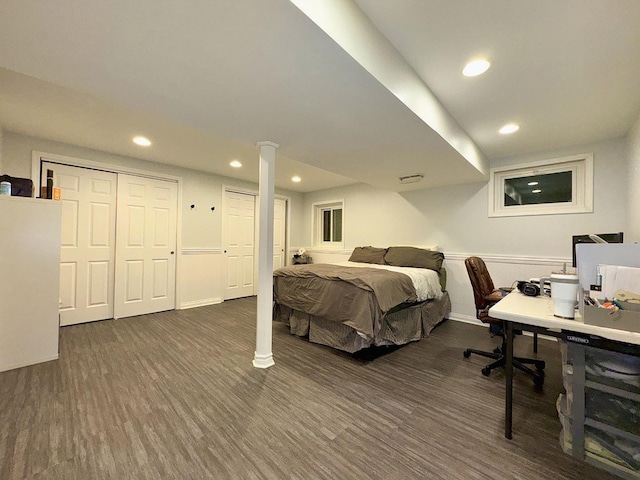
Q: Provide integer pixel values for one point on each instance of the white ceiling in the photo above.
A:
(206, 80)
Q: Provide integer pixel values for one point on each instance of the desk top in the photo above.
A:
(538, 311)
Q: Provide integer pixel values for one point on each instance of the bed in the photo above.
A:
(380, 297)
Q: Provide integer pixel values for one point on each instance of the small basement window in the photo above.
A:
(328, 223)
(560, 185)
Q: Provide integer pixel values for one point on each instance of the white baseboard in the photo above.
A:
(459, 317)
(468, 319)
(49, 358)
(200, 303)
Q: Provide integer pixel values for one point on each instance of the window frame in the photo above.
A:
(318, 218)
(581, 167)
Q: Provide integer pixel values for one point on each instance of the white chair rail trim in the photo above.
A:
(510, 259)
(201, 251)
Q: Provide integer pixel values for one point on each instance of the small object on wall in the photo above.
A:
(5, 188)
(193, 205)
(213, 208)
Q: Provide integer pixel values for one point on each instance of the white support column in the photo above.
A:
(264, 357)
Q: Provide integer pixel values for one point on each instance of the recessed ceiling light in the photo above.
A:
(537, 190)
(509, 128)
(142, 141)
(476, 67)
(531, 184)
(235, 164)
(296, 179)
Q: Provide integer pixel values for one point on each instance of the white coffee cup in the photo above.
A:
(564, 293)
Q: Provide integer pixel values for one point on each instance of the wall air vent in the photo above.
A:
(411, 179)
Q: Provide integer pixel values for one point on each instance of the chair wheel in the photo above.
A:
(538, 381)
(486, 371)
(466, 354)
(540, 365)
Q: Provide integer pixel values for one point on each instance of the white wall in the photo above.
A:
(201, 255)
(200, 228)
(453, 217)
(1, 150)
(633, 233)
(456, 218)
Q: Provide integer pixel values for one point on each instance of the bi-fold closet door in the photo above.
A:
(117, 257)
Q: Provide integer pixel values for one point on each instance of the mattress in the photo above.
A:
(352, 305)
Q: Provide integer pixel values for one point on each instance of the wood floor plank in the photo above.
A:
(174, 395)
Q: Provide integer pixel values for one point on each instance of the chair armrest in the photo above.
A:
(493, 297)
(497, 295)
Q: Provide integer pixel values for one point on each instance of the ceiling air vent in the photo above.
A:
(411, 179)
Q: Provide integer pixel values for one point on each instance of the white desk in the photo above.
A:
(535, 314)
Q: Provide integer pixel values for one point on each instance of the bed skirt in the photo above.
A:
(397, 327)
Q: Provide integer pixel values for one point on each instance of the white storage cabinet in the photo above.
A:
(29, 281)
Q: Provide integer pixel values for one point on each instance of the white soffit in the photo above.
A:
(214, 78)
(350, 28)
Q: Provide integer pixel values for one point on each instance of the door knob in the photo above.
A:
(172, 252)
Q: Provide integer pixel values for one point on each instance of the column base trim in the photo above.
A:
(263, 361)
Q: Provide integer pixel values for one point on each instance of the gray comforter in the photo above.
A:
(357, 297)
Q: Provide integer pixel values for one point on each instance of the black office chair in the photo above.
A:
(486, 295)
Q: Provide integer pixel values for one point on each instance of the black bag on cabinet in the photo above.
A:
(20, 187)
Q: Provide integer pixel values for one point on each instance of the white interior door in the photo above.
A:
(239, 244)
(88, 242)
(279, 232)
(145, 245)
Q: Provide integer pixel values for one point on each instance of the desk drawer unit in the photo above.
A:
(600, 412)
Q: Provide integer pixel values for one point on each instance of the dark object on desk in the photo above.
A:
(528, 288)
(607, 237)
(485, 296)
(20, 187)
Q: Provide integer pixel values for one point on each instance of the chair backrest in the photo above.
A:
(481, 281)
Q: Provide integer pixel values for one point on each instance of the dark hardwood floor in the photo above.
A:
(174, 396)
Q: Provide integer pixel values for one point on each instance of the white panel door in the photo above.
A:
(88, 242)
(279, 232)
(145, 245)
(239, 244)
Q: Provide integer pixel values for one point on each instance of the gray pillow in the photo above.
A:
(368, 255)
(414, 257)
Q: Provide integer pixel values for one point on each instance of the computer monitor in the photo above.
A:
(607, 237)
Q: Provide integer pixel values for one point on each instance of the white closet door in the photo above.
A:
(239, 244)
(279, 232)
(145, 245)
(88, 242)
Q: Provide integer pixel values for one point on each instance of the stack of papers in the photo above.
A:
(615, 278)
